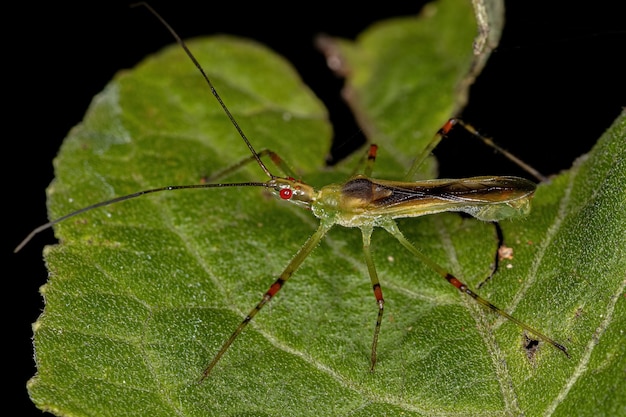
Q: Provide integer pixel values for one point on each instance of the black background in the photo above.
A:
(553, 86)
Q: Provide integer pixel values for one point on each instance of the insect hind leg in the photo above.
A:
(445, 130)
(489, 142)
(393, 229)
(417, 163)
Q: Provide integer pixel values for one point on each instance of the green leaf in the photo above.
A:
(404, 79)
(143, 293)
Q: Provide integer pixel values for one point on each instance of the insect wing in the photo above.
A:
(487, 198)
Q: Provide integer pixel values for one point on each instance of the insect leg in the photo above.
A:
(496, 261)
(274, 157)
(297, 260)
(371, 158)
(489, 142)
(366, 162)
(441, 133)
(378, 292)
(392, 228)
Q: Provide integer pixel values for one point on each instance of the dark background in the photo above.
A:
(553, 86)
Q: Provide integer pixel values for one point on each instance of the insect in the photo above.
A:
(365, 203)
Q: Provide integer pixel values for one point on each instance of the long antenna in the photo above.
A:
(206, 77)
(170, 187)
(128, 197)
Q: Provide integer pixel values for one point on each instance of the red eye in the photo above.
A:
(286, 193)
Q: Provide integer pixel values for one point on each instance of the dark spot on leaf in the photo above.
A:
(530, 346)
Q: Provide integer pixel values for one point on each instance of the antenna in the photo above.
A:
(128, 197)
(206, 77)
(232, 119)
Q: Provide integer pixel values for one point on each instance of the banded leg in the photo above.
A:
(371, 159)
(369, 261)
(441, 133)
(293, 265)
(445, 130)
(366, 162)
(378, 292)
(489, 142)
(274, 157)
(392, 228)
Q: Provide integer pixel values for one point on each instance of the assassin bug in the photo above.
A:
(365, 203)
